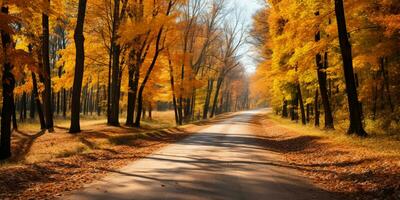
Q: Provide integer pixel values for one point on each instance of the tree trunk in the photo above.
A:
(210, 88)
(284, 109)
(22, 113)
(300, 96)
(171, 75)
(14, 115)
(64, 103)
(98, 106)
(84, 102)
(38, 103)
(316, 108)
(114, 119)
(150, 111)
(322, 82)
(47, 73)
(8, 83)
(385, 75)
(109, 87)
(131, 94)
(356, 125)
(214, 107)
(146, 78)
(32, 106)
(79, 67)
(151, 67)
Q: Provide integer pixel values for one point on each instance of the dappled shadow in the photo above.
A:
(25, 142)
(72, 171)
(254, 149)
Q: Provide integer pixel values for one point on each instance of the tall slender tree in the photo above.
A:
(79, 68)
(46, 70)
(356, 125)
(322, 82)
(8, 83)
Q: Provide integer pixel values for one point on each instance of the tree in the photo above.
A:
(356, 125)
(46, 71)
(158, 49)
(79, 67)
(8, 83)
(322, 82)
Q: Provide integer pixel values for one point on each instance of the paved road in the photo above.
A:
(222, 161)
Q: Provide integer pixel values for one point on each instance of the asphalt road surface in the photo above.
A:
(222, 161)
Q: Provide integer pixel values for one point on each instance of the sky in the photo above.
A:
(248, 8)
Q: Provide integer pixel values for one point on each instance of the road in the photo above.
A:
(222, 161)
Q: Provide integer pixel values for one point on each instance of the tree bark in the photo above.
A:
(131, 94)
(109, 87)
(22, 113)
(214, 107)
(64, 103)
(284, 109)
(38, 103)
(79, 67)
(386, 83)
(210, 88)
(300, 96)
(8, 83)
(47, 73)
(316, 108)
(171, 75)
(322, 82)
(114, 119)
(356, 125)
(14, 115)
(32, 109)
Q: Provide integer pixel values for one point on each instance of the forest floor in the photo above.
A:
(44, 165)
(357, 168)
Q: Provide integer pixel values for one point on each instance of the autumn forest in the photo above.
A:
(86, 80)
(112, 58)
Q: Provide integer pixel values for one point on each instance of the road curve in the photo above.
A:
(222, 161)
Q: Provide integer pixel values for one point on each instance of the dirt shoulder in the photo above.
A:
(347, 166)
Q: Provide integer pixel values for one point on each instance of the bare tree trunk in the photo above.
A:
(316, 108)
(32, 109)
(214, 107)
(171, 75)
(47, 73)
(114, 119)
(64, 103)
(210, 87)
(14, 115)
(8, 83)
(131, 94)
(22, 113)
(79, 67)
(356, 125)
(38, 103)
(109, 87)
(284, 109)
(300, 96)
(385, 75)
(322, 82)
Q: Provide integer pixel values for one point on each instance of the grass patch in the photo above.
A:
(72, 152)
(126, 139)
(383, 143)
